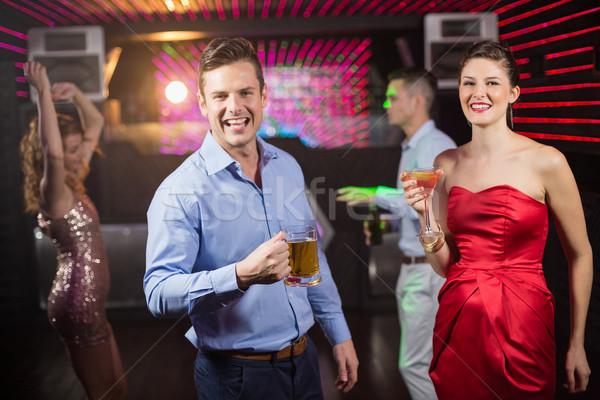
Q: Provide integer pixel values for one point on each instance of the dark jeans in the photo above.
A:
(224, 378)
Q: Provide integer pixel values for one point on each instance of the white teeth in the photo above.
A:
(240, 121)
(480, 106)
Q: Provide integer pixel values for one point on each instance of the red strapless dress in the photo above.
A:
(494, 331)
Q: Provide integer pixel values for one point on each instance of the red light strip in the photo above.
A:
(280, 8)
(558, 137)
(531, 120)
(206, 12)
(483, 6)
(568, 52)
(510, 6)
(520, 32)
(522, 61)
(355, 7)
(221, 10)
(384, 7)
(456, 6)
(552, 39)
(530, 13)
(399, 7)
(296, 8)
(370, 7)
(250, 8)
(49, 13)
(569, 69)
(559, 87)
(414, 6)
(87, 14)
(31, 13)
(64, 12)
(22, 93)
(132, 14)
(13, 33)
(265, 9)
(157, 10)
(556, 104)
(310, 8)
(13, 48)
(525, 75)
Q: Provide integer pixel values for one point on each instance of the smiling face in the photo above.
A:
(73, 154)
(233, 100)
(485, 92)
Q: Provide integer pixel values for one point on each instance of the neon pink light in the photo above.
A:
(324, 51)
(556, 104)
(19, 64)
(384, 7)
(64, 12)
(221, 10)
(291, 56)
(522, 61)
(560, 87)
(31, 13)
(22, 93)
(568, 52)
(13, 48)
(125, 8)
(325, 8)
(370, 7)
(49, 13)
(399, 7)
(303, 50)
(295, 8)
(310, 8)
(529, 29)
(85, 15)
(235, 8)
(559, 137)
(21, 79)
(530, 13)
(340, 7)
(250, 8)
(552, 39)
(426, 7)
(442, 6)
(281, 54)
(456, 6)
(569, 69)
(13, 33)
(280, 8)
(313, 52)
(529, 120)
(260, 52)
(511, 6)
(161, 15)
(483, 6)
(137, 6)
(272, 52)
(355, 7)
(413, 6)
(93, 11)
(525, 75)
(206, 12)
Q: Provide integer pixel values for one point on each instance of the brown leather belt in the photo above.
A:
(413, 259)
(293, 349)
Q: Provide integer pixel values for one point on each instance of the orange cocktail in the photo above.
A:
(427, 178)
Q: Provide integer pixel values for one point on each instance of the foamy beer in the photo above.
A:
(304, 260)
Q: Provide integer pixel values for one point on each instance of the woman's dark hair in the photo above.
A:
(493, 51)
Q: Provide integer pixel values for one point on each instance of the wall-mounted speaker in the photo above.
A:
(448, 36)
(71, 54)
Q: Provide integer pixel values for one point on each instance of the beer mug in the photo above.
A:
(304, 260)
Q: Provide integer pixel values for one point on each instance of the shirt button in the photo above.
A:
(291, 295)
(267, 204)
(237, 165)
(299, 323)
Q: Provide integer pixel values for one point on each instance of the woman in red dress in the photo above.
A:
(494, 331)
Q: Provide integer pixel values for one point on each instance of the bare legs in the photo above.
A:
(100, 370)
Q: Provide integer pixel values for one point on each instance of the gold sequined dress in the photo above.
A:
(76, 304)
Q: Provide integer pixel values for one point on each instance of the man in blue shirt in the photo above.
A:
(216, 250)
(409, 97)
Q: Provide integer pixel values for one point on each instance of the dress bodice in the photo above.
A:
(499, 226)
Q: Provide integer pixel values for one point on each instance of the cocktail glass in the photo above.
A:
(427, 178)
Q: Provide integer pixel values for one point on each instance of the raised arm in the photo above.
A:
(55, 198)
(91, 119)
(564, 202)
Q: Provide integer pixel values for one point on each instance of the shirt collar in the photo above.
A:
(216, 158)
(426, 127)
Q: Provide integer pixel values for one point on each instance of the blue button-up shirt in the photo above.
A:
(418, 152)
(207, 216)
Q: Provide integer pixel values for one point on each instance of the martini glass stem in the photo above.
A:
(427, 224)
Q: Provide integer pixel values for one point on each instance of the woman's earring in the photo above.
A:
(469, 123)
(510, 113)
